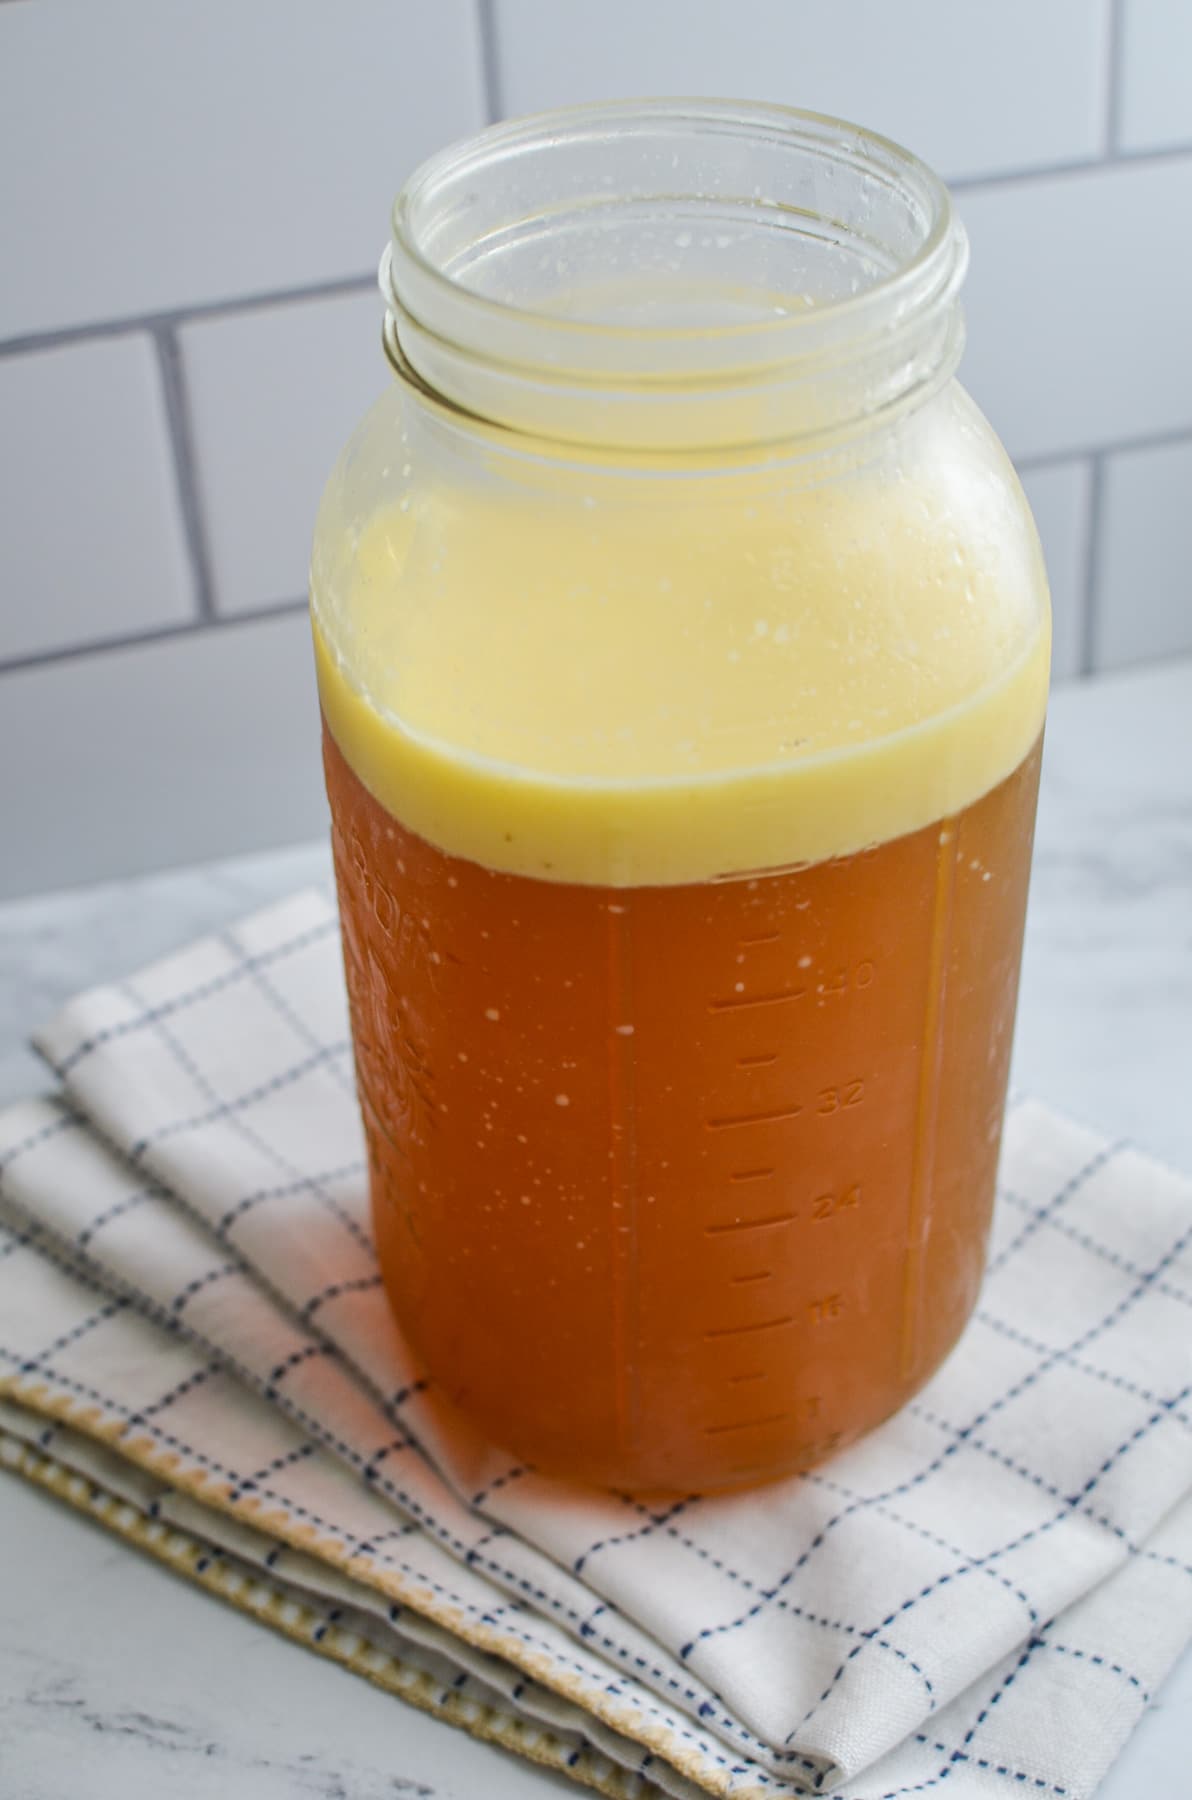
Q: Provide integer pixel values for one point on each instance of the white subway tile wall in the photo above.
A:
(973, 89)
(1142, 602)
(1156, 98)
(94, 545)
(1060, 495)
(1078, 302)
(171, 155)
(173, 751)
(194, 203)
(265, 431)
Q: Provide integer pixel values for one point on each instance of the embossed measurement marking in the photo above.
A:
(746, 1424)
(724, 1331)
(785, 1218)
(831, 1099)
(755, 1118)
(828, 1306)
(737, 1002)
(826, 1206)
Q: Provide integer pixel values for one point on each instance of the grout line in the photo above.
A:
(181, 430)
(1094, 534)
(1082, 165)
(171, 317)
(1153, 440)
(1115, 77)
(490, 62)
(160, 634)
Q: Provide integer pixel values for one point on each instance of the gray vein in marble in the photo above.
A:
(57, 1697)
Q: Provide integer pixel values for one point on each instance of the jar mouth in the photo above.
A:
(670, 249)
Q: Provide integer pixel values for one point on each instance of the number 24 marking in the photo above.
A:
(825, 1205)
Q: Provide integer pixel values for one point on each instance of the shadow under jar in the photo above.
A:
(682, 638)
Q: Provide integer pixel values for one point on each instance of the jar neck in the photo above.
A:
(681, 277)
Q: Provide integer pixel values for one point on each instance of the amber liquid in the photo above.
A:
(683, 1187)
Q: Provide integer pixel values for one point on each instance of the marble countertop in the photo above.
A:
(116, 1679)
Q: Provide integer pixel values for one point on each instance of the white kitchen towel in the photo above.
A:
(982, 1593)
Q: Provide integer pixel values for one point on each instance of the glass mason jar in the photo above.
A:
(682, 639)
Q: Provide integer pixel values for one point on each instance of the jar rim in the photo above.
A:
(436, 318)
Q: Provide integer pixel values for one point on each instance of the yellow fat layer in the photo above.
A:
(654, 695)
